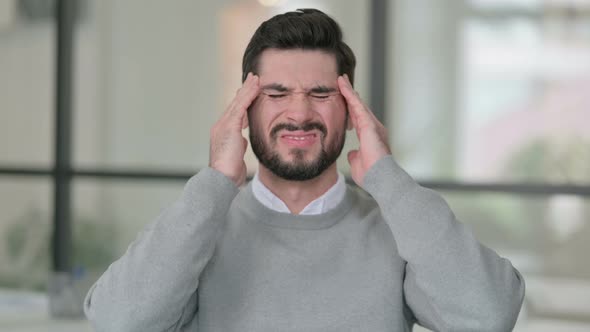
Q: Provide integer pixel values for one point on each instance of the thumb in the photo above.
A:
(352, 157)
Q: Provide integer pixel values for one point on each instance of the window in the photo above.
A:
(489, 104)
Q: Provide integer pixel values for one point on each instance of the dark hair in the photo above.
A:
(308, 29)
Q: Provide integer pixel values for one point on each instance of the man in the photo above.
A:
(296, 249)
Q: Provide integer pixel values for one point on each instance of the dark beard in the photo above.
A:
(298, 169)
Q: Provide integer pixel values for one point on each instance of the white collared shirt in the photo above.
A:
(329, 200)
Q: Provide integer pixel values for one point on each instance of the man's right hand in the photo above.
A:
(228, 146)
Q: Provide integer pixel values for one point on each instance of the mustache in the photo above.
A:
(292, 127)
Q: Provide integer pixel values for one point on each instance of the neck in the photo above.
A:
(298, 194)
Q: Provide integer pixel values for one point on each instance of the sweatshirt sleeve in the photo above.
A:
(152, 287)
(452, 282)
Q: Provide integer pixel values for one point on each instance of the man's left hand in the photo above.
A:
(372, 135)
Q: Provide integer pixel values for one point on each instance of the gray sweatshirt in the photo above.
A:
(219, 260)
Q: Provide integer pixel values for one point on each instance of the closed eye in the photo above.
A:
(276, 96)
(320, 96)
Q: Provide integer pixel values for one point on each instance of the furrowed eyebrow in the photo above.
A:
(276, 87)
(322, 89)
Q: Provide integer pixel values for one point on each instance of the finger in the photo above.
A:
(238, 91)
(359, 112)
(245, 96)
(349, 93)
(352, 117)
(356, 108)
(349, 124)
(233, 110)
(364, 106)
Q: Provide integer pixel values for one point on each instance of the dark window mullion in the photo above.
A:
(62, 233)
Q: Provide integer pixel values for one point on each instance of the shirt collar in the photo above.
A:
(324, 203)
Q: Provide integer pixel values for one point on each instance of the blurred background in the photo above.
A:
(103, 119)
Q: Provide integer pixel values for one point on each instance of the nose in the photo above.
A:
(299, 110)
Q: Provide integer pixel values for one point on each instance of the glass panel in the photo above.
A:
(153, 79)
(491, 97)
(26, 85)
(25, 230)
(525, 101)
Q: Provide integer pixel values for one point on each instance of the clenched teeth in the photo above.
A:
(300, 138)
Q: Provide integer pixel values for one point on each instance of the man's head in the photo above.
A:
(298, 123)
(305, 29)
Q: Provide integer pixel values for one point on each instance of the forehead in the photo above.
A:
(297, 68)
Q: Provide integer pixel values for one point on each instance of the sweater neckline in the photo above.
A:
(259, 212)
